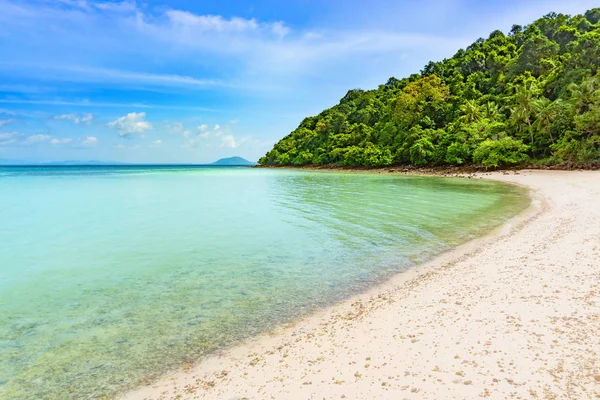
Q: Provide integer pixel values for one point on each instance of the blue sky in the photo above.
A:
(194, 81)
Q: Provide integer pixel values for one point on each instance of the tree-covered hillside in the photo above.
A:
(532, 95)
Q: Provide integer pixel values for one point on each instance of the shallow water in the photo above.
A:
(111, 275)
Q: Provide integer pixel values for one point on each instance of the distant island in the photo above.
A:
(231, 161)
(234, 161)
(6, 161)
(531, 96)
(70, 163)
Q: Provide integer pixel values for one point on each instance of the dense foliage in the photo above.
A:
(530, 96)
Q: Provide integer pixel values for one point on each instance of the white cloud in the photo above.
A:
(191, 144)
(4, 122)
(121, 146)
(39, 138)
(9, 138)
(87, 103)
(279, 29)
(217, 130)
(267, 51)
(184, 20)
(157, 142)
(89, 141)
(61, 141)
(36, 139)
(202, 127)
(186, 27)
(196, 141)
(175, 128)
(131, 124)
(148, 78)
(229, 141)
(264, 55)
(85, 73)
(312, 35)
(76, 118)
(122, 7)
(86, 119)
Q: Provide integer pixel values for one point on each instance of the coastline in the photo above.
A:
(472, 322)
(457, 171)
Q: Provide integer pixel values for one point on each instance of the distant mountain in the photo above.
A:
(79, 162)
(234, 161)
(4, 161)
(231, 161)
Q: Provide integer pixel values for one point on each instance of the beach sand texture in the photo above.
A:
(513, 315)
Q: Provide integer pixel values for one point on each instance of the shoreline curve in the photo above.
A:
(396, 339)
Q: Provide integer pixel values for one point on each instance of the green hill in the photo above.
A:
(529, 96)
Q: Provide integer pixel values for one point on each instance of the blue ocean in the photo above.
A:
(112, 275)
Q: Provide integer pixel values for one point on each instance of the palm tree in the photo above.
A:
(470, 111)
(584, 94)
(545, 111)
(492, 111)
(522, 111)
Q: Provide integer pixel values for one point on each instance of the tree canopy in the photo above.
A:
(532, 95)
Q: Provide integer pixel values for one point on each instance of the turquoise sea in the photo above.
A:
(109, 276)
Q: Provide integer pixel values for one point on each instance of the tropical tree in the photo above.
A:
(545, 111)
(535, 89)
(585, 94)
(521, 113)
(471, 112)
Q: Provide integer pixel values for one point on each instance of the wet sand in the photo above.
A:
(515, 314)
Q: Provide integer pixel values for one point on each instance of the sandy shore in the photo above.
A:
(512, 315)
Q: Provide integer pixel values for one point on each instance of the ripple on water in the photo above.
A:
(111, 276)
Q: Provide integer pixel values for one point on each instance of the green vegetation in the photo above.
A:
(532, 96)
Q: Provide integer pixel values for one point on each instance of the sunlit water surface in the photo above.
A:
(110, 276)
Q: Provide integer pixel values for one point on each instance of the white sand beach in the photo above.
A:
(512, 315)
